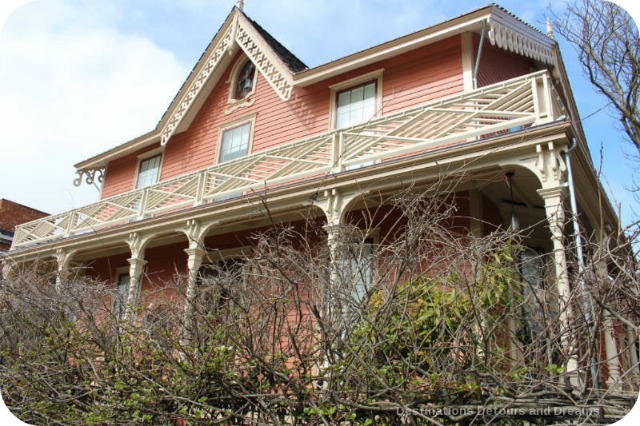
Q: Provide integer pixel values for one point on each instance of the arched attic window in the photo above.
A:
(245, 81)
(242, 84)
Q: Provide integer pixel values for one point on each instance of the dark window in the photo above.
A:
(122, 294)
(246, 80)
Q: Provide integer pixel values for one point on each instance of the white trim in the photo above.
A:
(467, 60)
(267, 62)
(121, 270)
(217, 255)
(353, 82)
(151, 153)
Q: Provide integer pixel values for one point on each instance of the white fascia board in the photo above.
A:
(511, 34)
(119, 151)
(389, 50)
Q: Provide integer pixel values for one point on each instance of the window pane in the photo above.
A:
(149, 172)
(235, 143)
(356, 105)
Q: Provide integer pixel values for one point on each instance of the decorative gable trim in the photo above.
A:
(267, 62)
(508, 33)
(187, 100)
(242, 33)
(511, 40)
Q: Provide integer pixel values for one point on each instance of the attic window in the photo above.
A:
(245, 81)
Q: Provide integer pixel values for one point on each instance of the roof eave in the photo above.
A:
(392, 48)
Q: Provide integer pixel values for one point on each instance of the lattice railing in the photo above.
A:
(492, 110)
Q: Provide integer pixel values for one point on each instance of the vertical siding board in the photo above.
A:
(497, 64)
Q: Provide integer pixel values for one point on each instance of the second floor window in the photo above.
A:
(235, 142)
(356, 105)
(148, 171)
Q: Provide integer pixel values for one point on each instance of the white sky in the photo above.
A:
(78, 77)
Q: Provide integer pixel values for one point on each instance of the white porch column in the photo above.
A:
(554, 207)
(194, 262)
(195, 233)
(63, 259)
(334, 204)
(610, 345)
(611, 351)
(136, 268)
(632, 341)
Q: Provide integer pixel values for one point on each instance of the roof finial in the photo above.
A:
(240, 4)
(550, 29)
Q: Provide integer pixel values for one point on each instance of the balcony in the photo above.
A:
(511, 105)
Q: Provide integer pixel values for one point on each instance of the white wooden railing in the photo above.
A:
(511, 105)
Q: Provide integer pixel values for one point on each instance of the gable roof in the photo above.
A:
(283, 70)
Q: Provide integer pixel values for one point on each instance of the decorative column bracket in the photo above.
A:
(89, 176)
(63, 259)
(550, 166)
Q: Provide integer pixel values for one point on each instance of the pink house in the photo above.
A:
(484, 94)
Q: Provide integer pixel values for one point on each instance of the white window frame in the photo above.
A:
(146, 156)
(373, 76)
(250, 120)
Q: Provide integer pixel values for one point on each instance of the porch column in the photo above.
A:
(7, 269)
(136, 268)
(194, 261)
(611, 351)
(63, 259)
(195, 233)
(553, 203)
(331, 292)
(333, 203)
(610, 346)
(632, 340)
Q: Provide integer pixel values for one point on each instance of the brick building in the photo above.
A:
(11, 215)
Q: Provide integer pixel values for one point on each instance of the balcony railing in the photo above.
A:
(513, 104)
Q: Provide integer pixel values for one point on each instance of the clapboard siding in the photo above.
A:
(409, 79)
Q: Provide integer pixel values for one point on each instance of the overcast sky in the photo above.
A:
(78, 77)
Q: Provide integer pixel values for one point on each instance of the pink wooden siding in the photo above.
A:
(121, 174)
(409, 79)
